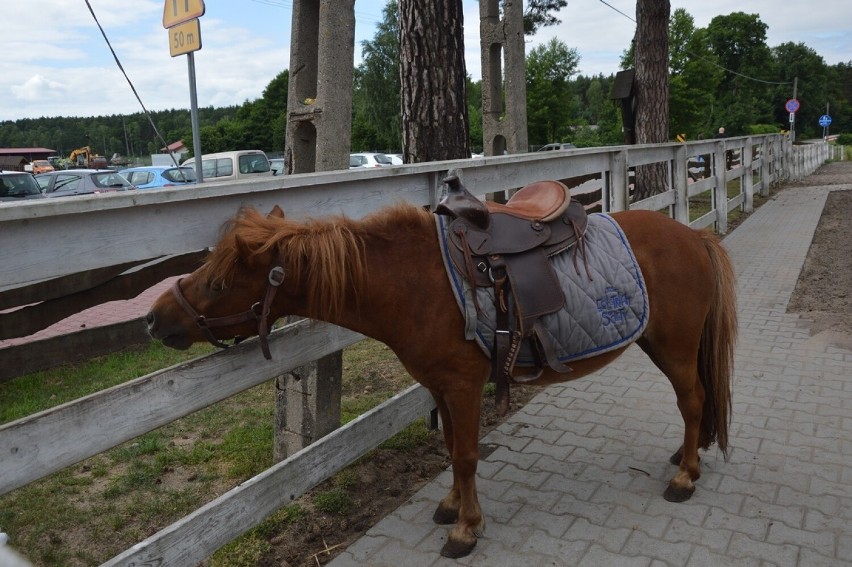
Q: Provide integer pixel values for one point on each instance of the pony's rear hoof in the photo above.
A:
(445, 516)
(677, 457)
(454, 549)
(678, 494)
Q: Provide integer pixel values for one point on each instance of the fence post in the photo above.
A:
(720, 191)
(748, 174)
(307, 404)
(619, 182)
(764, 167)
(679, 182)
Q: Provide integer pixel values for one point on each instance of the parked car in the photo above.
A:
(82, 182)
(396, 159)
(154, 176)
(560, 146)
(42, 166)
(368, 159)
(277, 166)
(232, 166)
(18, 186)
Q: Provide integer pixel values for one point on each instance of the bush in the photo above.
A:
(845, 139)
(756, 129)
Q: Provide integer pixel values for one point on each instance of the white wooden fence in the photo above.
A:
(58, 240)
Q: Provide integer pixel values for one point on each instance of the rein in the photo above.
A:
(257, 312)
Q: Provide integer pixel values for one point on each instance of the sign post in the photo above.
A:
(825, 122)
(792, 106)
(180, 18)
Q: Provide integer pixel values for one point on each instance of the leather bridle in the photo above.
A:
(258, 312)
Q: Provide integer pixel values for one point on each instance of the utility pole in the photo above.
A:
(793, 114)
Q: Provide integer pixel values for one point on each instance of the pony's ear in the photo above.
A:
(276, 212)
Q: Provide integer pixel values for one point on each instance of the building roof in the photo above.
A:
(174, 146)
(25, 151)
(12, 161)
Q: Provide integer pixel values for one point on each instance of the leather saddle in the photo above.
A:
(507, 247)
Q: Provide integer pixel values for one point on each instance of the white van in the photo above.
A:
(232, 166)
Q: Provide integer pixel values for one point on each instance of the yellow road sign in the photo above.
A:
(184, 38)
(176, 12)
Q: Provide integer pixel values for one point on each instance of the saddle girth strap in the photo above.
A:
(506, 341)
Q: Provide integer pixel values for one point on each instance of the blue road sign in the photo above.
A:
(824, 120)
(792, 105)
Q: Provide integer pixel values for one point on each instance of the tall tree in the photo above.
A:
(739, 41)
(694, 78)
(549, 103)
(432, 75)
(377, 89)
(816, 86)
(539, 13)
(652, 89)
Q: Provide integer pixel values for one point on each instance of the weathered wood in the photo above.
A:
(46, 442)
(46, 353)
(195, 537)
(58, 287)
(31, 319)
(307, 404)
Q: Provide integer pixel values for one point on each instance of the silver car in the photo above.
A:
(18, 186)
(82, 182)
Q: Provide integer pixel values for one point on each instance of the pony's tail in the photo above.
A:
(716, 352)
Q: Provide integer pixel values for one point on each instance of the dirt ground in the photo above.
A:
(385, 480)
(824, 290)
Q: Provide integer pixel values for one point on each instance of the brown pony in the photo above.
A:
(383, 276)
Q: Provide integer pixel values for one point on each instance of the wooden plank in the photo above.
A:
(105, 230)
(48, 441)
(57, 287)
(701, 186)
(652, 153)
(28, 320)
(196, 536)
(736, 202)
(704, 220)
(655, 202)
(72, 347)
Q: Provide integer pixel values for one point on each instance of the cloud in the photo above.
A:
(38, 88)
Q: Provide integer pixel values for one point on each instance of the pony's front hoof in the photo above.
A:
(445, 516)
(456, 549)
(678, 493)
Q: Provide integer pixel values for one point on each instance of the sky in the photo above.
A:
(56, 63)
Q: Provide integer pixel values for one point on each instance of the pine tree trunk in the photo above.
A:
(652, 90)
(432, 75)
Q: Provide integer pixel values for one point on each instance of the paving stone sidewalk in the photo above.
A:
(576, 477)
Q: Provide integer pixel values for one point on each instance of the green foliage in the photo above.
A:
(757, 129)
(549, 103)
(335, 501)
(376, 100)
(409, 438)
(539, 13)
(845, 139)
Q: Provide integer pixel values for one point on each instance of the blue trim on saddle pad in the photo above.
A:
(601, 314)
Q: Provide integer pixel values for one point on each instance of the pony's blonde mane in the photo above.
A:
(327, 254)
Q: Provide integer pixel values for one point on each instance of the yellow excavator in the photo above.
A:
(83, 157)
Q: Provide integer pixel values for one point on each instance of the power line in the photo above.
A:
(703, 58)
(129, 82)
(617, 10)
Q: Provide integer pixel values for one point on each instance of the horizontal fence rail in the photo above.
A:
(103, 247)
